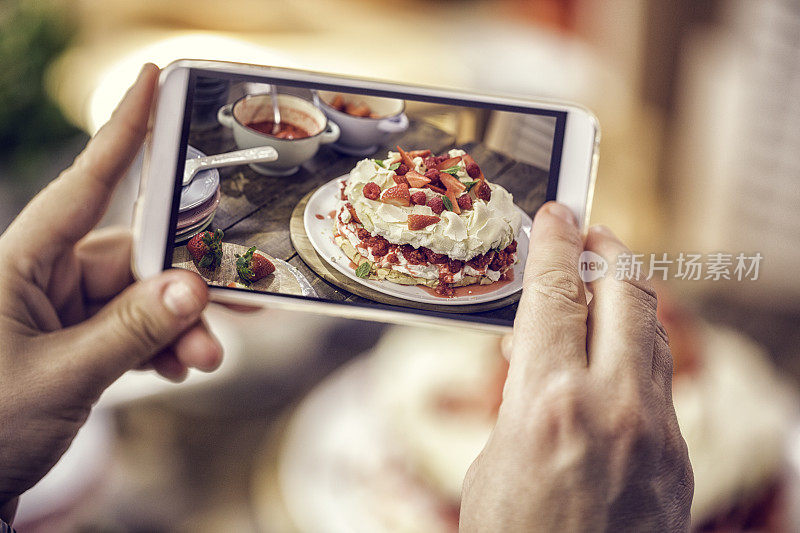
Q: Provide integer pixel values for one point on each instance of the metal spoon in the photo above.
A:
(260, 154)
(276, 112)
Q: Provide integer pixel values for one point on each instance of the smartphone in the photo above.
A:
(354, 197)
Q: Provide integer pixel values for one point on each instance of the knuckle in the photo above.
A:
(559, 285)
(640, 291)
(142, 326)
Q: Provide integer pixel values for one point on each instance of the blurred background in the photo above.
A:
(302, 428)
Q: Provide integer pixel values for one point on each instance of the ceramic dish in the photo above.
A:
(202, 211)
(204, 185)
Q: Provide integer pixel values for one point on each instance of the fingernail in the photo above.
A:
(180, 300)
(561, 211)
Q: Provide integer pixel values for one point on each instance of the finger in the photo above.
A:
(104, 257)
(662, 370)
(167, 365)
(144, 319)
(622, 319)
(80, 195)
(198, 348)
(550, 327)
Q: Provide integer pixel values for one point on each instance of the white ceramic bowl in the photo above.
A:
(292, 153)
(363, 135)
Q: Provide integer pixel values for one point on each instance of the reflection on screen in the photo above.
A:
(364, 198)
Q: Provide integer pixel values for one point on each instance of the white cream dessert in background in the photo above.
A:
(416, 218)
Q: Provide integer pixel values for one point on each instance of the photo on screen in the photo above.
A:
(365, 198)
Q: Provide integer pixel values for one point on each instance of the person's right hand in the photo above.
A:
(586, 437)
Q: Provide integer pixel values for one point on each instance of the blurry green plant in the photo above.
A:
(32, 34)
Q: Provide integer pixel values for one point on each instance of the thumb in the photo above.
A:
(148, 316)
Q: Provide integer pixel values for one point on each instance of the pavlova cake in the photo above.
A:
(415, 218)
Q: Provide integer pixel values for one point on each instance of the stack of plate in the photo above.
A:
(199, 201)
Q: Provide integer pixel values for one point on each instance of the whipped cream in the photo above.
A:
(488, 225)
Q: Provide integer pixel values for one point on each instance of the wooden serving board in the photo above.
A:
(283, 280)
(321, 267)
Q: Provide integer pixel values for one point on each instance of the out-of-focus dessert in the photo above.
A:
(398, 430)
(414, 218)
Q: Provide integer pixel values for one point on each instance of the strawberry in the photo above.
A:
(362, 234)
(405, 158)
(412, 255)
(452, 183)
(415, 179)
(436, 204)
(418, 198)
(511, 248)
(397, 195)
(448, 163)
(417, 222)
(419, 153)
(400, 179)
(252, 267)
(433, 257)
(465, 202)
(206, 249)
(454, 265)
(352, 210)
(392, 259)
(372, 190)
(379, 246)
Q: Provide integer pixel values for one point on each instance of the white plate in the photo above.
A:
(320, 233)
(203, 186)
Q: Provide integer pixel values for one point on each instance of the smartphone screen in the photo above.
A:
(374, 198)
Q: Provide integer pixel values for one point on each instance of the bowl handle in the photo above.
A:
(330, 136)
(394, 124)
(225, 115)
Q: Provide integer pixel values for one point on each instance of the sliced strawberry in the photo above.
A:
(419, 153)
(417, 222)
(447, 163)
(452, 183)
(434, 188)
(400, 179)
(405, 158)
(453, 201)
(372, 190)
(416, 180)
(352, 210)
(397, 195)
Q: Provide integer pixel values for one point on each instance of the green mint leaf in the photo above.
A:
(447, 203)
(452, 170)
(363, 270)
(379, 163)
(470, 184)
(394, 166)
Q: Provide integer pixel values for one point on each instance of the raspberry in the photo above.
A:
(479, 262)
(372, 190)
(511, 248)
(483, 191)
(473, 170)
(362, 234)
(412, 255)
(454, 265)
(429, 162)
(465, 202)
(419, 198)
(436, 204)
(433, 257)
(401, 170)
(443, 289)
(499, 262)
(379, 246)
(432, 175)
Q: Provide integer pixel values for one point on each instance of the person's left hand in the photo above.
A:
(71, 318)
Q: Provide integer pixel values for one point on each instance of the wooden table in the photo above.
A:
(255, 210)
